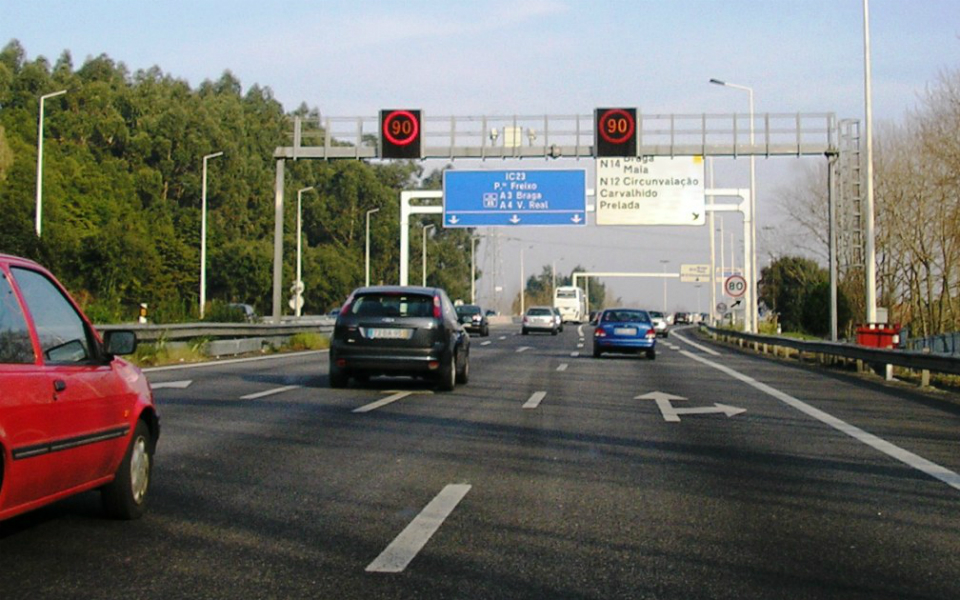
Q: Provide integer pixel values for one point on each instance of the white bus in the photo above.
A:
(572, 303)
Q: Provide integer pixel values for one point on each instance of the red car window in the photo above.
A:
(63, 336)
(16, 347)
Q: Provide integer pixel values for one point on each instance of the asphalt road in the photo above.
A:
(550, 475)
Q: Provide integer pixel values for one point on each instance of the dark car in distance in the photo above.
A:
(399, 331)
(473, 319)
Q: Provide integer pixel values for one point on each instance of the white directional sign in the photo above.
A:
(650, 190)
(694, 273)
(671, 414)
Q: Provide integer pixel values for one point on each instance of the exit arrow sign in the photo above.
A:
(671, 414)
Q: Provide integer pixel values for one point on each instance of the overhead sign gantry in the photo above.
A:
(609, 133)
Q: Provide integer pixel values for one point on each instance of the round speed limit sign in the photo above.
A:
(735, 286)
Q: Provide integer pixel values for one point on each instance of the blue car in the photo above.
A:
(625, 330)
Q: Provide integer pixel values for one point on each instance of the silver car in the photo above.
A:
(539, 318)
(660, 324)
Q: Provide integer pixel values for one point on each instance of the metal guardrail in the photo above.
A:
(921, 362)
(187, 331)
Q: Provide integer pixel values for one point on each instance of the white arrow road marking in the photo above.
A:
(716, 408)
(915, 461)
(523, 349)
(535, 400)
(177, 385)
(562, 367)
(380, 403)
(405, 547)
(266, 393)
(671, 414)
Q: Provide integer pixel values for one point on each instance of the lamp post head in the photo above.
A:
(718, 82)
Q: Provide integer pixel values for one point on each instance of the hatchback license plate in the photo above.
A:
(625, 331)
(389, 334)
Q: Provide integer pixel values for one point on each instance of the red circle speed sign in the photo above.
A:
(616, 126)
(401, 127)
(735, 286)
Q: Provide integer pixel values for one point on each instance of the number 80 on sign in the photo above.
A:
(735, 286)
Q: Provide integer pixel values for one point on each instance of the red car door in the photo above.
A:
(92, 405)
(27, 412)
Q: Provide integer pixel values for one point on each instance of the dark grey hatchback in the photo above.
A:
(399, 330)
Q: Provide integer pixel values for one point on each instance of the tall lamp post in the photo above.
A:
(473, 269)
(750, 269)
(39, 223)
(203, 233)
(366, 278)
(664, 263)
(523, 286)
(297, 303)
(425, 229)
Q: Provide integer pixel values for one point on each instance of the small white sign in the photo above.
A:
(694, 273)
(650, 190)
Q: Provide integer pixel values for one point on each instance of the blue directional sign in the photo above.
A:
(511, 198)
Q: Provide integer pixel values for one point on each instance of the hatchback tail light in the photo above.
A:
(651, 333)
(598, 332)
(437, 308)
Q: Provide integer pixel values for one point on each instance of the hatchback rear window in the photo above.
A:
(625, 315)
(392, 305)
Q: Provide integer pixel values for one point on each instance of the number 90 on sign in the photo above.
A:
(735, 286)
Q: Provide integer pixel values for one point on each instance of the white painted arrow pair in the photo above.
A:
(671, 414)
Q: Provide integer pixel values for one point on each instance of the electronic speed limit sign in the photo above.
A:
(735, 286)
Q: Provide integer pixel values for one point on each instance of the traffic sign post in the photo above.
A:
(511, 198)
(616, 132)
(400, 134)
(735, 286)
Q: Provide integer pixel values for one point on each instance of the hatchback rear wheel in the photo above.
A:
(448, 374)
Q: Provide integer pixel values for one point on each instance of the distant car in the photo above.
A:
(472, 318)
(73, 416)
(399, 331)
(682, 318)
(246, 311)
(556, 311)
(539, 318)
(625, 330)
(490, 312)
(660, 323)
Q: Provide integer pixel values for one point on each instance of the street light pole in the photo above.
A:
(870, 248)
(664, 263)
(298, 304)
(203, 233)
(750, 269)
(39, 224)
(366, 279)
(473, 269)
(425, 229)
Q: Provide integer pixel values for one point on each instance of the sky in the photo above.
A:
(538, 57)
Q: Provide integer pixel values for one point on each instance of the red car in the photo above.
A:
(73, 416)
